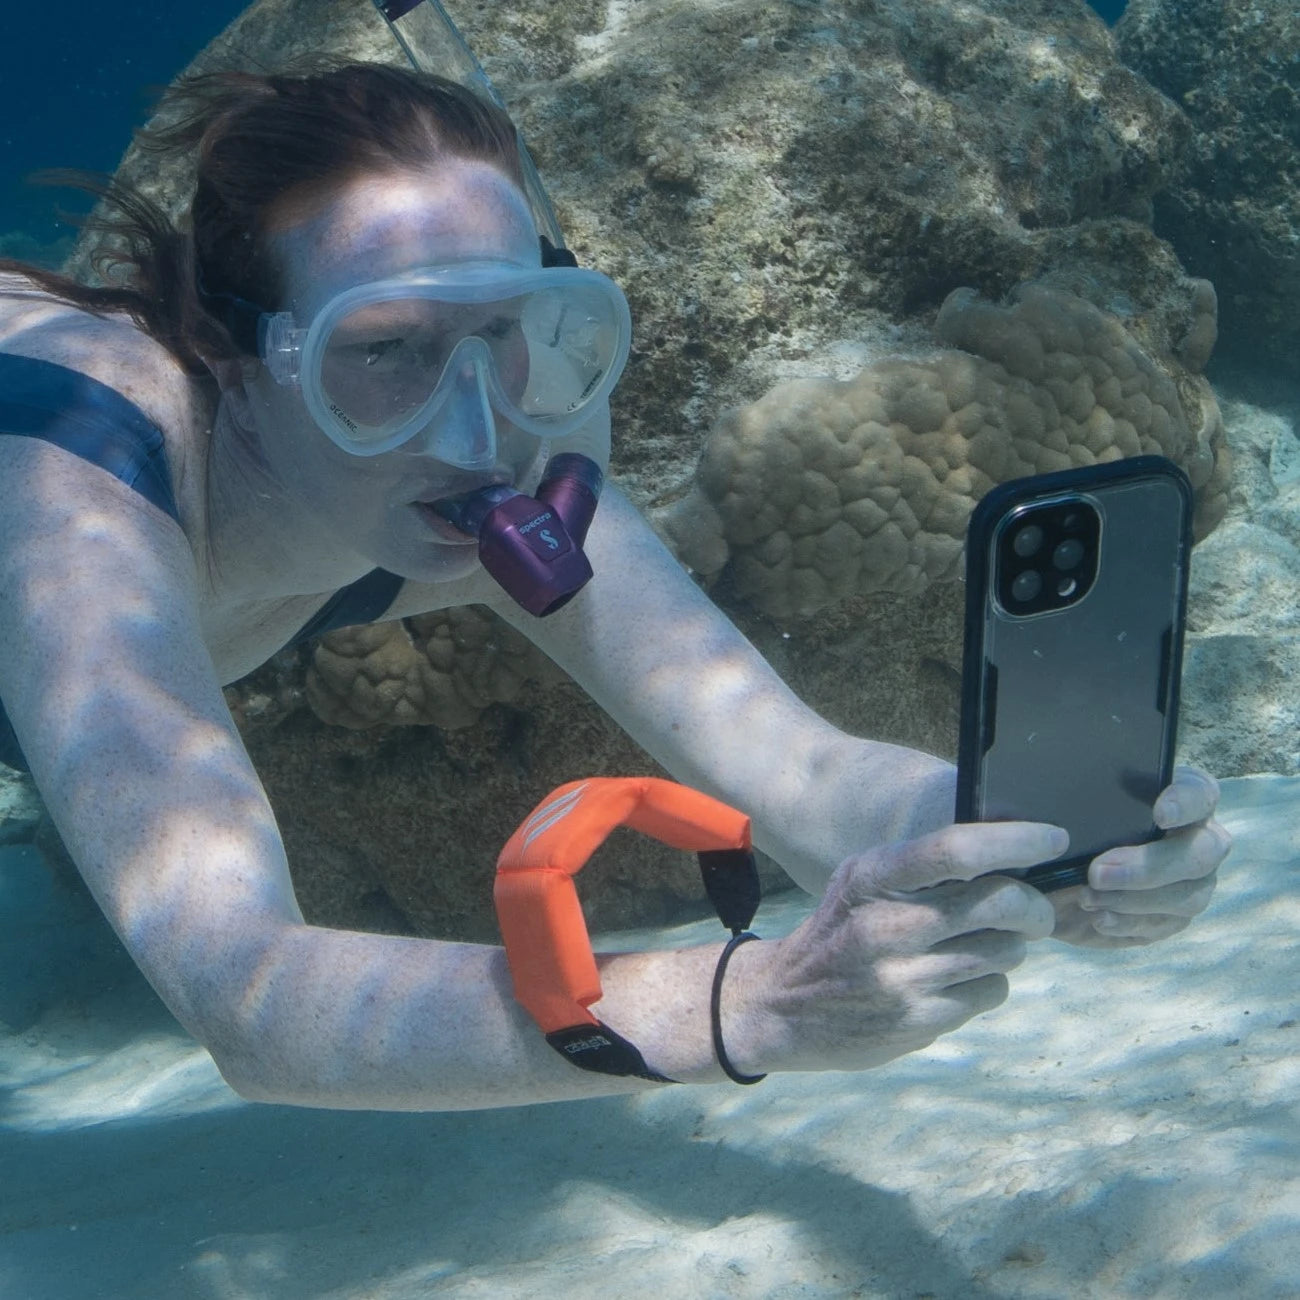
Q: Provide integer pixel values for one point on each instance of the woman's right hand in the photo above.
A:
(910, 941)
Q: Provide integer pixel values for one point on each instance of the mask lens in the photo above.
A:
(384, 361)
(573, 340)
(551, 348)
(381, 365)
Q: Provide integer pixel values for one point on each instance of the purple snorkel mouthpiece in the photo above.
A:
(571, 485)
(532, 546)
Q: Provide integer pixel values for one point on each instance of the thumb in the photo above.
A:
(958, 852)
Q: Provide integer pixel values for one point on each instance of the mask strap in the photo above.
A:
(242, 319)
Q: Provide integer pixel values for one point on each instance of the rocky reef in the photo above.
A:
(1233, 211)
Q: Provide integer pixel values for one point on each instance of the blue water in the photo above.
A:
(88, 124)
(1110, 10)
(100, 99)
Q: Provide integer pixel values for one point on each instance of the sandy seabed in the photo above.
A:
(1125, 1125)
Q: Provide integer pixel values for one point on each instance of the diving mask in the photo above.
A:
(542, 347)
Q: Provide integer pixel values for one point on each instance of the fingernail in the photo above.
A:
(1059, 841)
(1105, 921)
(1169, 812)
(1107, 873)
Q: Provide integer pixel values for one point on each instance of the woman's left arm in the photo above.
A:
(679, 677)
(662, 659)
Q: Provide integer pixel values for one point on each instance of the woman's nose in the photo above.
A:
(463, 433)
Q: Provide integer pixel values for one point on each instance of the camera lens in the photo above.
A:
(1027, 541)
(1026, 585)
(1068, 554)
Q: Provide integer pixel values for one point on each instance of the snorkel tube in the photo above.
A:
(432, 43)
(531, 545)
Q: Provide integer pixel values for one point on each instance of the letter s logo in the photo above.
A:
(549, 538)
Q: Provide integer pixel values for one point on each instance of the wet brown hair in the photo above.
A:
(259, 139)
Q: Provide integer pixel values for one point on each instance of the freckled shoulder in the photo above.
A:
(111, 349)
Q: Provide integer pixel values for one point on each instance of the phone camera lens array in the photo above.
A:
(1048, 557)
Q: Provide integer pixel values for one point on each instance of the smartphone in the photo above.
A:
(1076, 597)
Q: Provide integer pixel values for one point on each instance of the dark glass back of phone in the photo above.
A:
(1075, 604)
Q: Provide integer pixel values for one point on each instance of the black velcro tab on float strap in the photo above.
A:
(731, 882)
(599, 1049)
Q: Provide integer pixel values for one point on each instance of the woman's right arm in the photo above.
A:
(118, 709)
(116, 703)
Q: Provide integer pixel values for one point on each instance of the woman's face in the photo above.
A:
(373, 228)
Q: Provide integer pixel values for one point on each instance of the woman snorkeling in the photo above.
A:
(348, 389)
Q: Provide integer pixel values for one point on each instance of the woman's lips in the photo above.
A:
(444, 529)
(466, 512)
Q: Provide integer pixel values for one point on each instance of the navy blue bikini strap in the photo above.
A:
(363, 601)
(39, 399)
(11, 752)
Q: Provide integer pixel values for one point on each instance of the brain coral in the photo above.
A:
(443, 668)
(824, 489)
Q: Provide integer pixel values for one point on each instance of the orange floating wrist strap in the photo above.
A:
(548, 949)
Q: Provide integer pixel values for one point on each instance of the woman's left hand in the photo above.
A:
(1140, 893)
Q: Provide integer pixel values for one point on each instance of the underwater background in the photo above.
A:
(99, 100)
(102, 57)
(1125, 1125)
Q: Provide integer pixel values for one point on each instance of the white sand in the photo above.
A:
(1124, 1126)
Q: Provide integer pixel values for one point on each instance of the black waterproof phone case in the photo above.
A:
(1076, 593)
